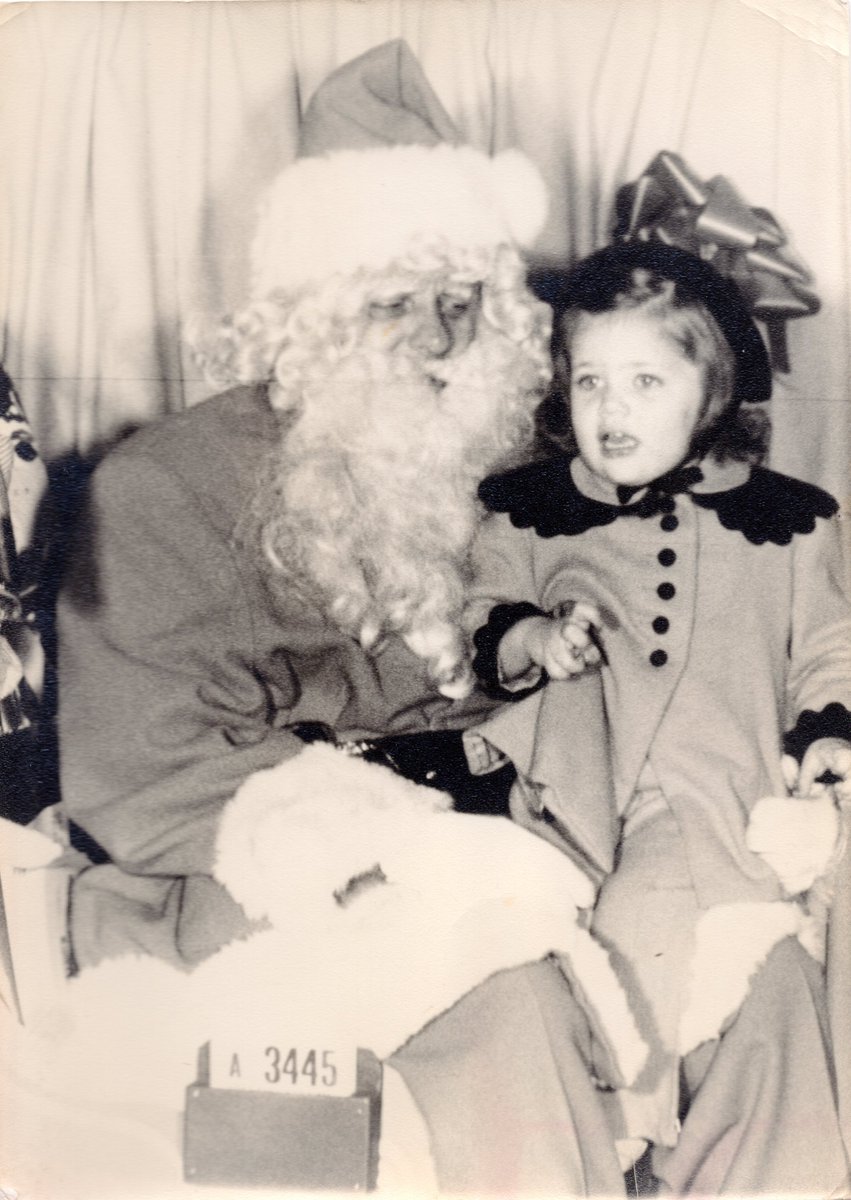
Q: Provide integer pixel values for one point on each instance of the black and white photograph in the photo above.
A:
(425, 599)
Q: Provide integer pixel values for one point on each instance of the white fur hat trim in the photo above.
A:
(362, 209)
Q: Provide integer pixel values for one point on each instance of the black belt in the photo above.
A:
(433, 758)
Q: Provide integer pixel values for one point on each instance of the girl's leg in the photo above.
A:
(645, 916)
(762, 1114)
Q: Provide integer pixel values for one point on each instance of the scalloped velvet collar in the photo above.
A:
(560, 496)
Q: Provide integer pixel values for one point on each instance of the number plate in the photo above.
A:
(287, 1068)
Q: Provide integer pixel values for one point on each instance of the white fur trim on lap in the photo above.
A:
(732, 941)
(449, 899)
(307, 826)
(605, 1003)
(405, 1168)
(456, 898)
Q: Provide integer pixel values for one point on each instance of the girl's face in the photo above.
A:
(635, 399)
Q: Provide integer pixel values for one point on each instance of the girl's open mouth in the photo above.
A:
(616, 444)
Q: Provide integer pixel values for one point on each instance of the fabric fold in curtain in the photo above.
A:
(136, 139)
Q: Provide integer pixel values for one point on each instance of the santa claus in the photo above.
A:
(286, 562)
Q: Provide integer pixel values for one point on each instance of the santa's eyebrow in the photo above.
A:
(391, 296)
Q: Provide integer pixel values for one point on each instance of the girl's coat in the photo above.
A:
(727, 626)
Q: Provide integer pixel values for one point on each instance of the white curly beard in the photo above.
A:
(372, 505)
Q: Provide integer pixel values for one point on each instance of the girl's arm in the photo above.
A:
(819, 688)
(518, 643)
(559, 645)
(799, 835)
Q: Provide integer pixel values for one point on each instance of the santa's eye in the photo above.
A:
(389, 309)
(456, 304)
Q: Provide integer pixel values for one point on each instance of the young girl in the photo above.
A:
(712, 592)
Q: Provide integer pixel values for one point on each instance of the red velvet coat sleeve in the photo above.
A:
(162, 715)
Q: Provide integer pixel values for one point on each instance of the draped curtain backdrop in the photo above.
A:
(135, 139)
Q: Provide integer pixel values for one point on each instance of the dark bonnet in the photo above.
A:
(595, 281)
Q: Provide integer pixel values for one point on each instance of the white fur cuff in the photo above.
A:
(294, 835)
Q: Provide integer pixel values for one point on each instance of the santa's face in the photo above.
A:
(428, 318)
(422, 385)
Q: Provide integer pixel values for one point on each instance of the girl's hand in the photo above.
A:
(567, 645)
(827, 757)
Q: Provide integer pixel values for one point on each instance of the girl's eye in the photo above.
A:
(645, 381)
(389, 310)
(586, 383)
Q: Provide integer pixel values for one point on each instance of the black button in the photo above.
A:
(666, 591)
(658, 658)
(661, 624)
(667, 557)
(669, 523)
(667, 504)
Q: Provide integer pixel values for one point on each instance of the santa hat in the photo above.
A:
(380, 170)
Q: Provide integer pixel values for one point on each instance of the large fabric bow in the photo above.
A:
(659, 493)
(669, 203)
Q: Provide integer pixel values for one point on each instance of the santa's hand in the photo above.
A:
(571, 644)
(796, 837)
(829, 757)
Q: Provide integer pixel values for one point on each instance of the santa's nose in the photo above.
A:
(432, 336)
